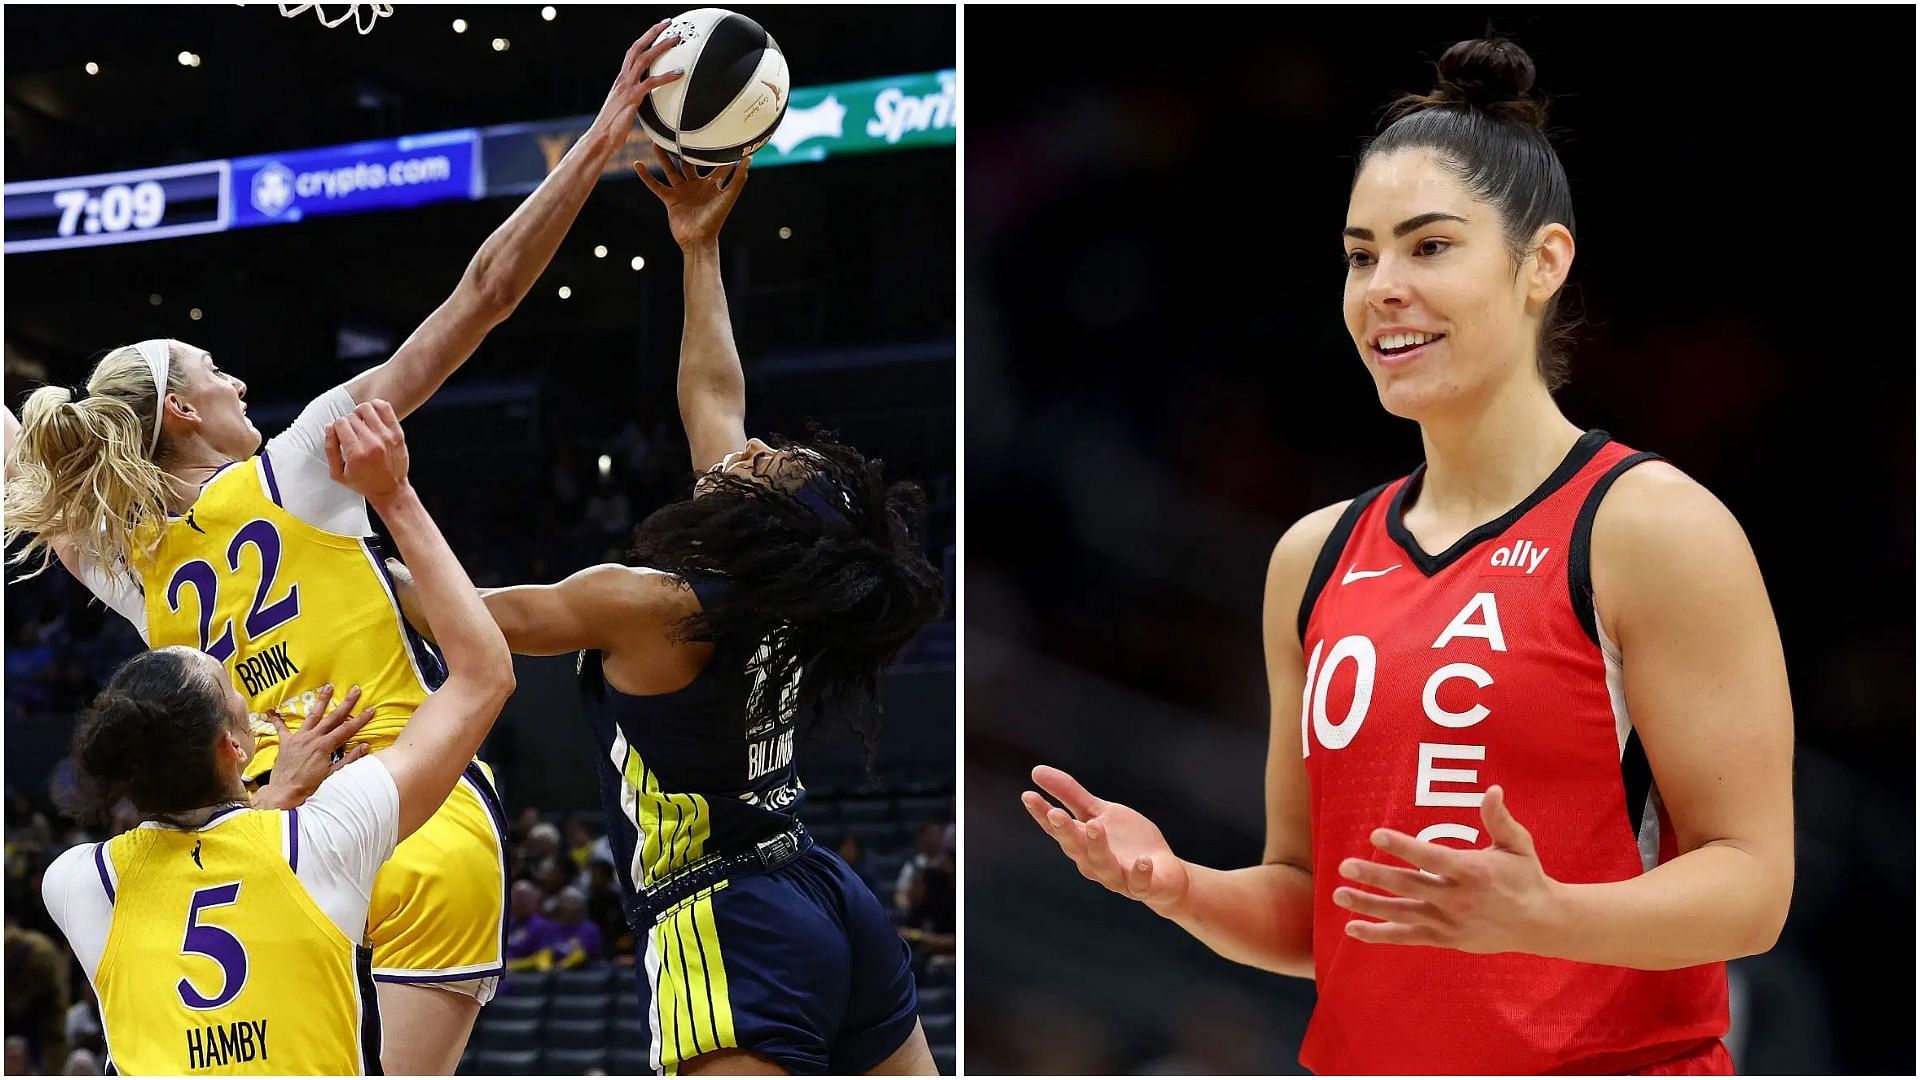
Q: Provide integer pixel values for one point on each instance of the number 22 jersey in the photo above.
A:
(285, 604)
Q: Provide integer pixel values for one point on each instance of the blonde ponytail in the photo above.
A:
(84, 474)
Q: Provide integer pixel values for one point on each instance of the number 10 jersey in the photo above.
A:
(1429, 679)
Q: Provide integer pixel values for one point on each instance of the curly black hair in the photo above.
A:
(149, 736)
(833, 594)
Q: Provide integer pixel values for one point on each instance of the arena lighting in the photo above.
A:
(565, 292)
(638, 262)
(187, 59)
(599, 251)
(786, 233)
(459, 26)
(154, 299)
(501, 44)
(93, 68)
(606, 466)
(194, 314)
(548, 13)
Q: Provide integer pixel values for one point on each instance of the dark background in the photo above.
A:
(850, 321)
(1159, 382)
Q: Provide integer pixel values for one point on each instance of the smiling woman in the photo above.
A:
(1529, 710)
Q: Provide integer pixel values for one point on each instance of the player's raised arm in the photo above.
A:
(712, 388)
(626, 610)
(518, 252)
(368, 453)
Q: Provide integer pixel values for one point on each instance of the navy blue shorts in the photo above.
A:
(801, 965)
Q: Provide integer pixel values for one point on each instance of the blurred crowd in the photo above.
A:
(53, 1021)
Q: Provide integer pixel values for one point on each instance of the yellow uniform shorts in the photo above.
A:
(438, 912)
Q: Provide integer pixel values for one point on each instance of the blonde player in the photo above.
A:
(146, 486)
(224, 938)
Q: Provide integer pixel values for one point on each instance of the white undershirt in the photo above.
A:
(347, 829)
(298, 457)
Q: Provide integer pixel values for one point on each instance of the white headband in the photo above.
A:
(156, 353)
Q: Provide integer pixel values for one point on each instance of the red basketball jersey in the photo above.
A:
(1429, 678)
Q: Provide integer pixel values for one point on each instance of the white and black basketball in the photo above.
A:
(734, 93)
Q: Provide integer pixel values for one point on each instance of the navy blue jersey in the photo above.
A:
(681, 774)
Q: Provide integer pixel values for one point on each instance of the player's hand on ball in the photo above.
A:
(366, 450)
(1110, 843)
(1483, 900)
(634, 84)
(696, 205)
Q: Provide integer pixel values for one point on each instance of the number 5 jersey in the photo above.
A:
(233, 947)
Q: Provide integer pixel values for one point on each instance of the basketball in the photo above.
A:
(734, 93)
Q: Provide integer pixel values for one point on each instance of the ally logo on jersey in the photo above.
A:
(1518, 559)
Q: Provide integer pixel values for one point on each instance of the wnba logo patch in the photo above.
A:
(1518, 559)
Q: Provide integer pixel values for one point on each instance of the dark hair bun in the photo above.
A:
(1490, 75)
(1485, 71)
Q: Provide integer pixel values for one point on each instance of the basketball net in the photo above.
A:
(363, 15)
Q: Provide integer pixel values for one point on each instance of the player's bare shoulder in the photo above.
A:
(1659, 536)
(650, 653)
(1292, 564)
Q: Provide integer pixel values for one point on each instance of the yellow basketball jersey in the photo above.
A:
(286, 606)
(219, 961)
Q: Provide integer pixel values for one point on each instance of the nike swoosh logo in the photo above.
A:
(1356, 575)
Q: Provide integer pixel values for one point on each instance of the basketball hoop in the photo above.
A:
(364, 16)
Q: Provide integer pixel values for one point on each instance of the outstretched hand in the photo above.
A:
(1482, 900)
(634, 84)
(696, 205)
(1112, 844)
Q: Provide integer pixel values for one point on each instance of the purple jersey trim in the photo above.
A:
(100, 864)
(273, 486)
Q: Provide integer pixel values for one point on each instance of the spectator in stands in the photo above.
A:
(605, 910)
(931, 841)
(523, 827)
(542, 862)
(543, 842)
(529, 934)
(931, 914)
(82, 1062)
(579, 842)
(855, 855)
(28, 839)
(84, 1031)
(19, 1061)
(36, 995)
(576, 942)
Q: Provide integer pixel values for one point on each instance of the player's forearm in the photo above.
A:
(1261, 916)
(1717, 902)
(475, 652)
(513, 258)
(712, 387)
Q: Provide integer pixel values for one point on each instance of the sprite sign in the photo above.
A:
(904, 112)
(863, 117)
